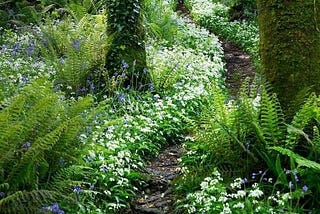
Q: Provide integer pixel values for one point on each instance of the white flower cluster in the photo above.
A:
(18, 64)
(215, 197)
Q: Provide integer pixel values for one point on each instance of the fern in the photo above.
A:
(300, 121)
(301, 161)
(78, 52)
(272, 126)
(27, 201)
(37, 128)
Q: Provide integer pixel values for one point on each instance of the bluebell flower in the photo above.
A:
(26, 145)
(2, 194)
(90, 158)
(24, 79)
(245, 180)
(4, 48)
(91, 86)
(88, 129)
(76, 44)
(145, 70)
(103, 168)
(124, 64)
(55, 207)
(151, 87)
(304, 188)
(121, 98)
(62, 60)
(29, 50)
(77, 189)
(16, 48)
(61, 161)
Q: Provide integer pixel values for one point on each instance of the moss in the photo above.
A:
(126, 29)
(290, 48)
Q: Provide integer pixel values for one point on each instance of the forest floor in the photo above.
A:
(157, 197)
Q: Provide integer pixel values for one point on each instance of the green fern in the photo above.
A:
(301, 161)
(37, 128)
(27, 201)
(78, 50)
(271, 125)
(301, 119)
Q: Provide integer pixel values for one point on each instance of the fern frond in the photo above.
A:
(272, 120)
(300, 120)
(301, 161)
(27, 202)
(25, 169)
(66, 177)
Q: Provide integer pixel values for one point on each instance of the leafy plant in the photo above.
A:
(77, 50)
(39, 136)
(253, 130)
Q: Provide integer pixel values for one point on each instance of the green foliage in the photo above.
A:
(23, 12)
(214, 17)
(27, 201)
(243, 9)
(126, 29)
(161, 21)
(77, 50)
(251, 134)
(39, 130)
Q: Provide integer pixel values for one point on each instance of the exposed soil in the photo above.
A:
(157, 196)
(239, 67)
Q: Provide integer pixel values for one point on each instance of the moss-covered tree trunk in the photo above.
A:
(290, 48)
(127, 52)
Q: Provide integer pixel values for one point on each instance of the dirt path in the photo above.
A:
(157, 196)
(239, 67)
(238, 63)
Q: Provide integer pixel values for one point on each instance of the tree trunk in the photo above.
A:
(126, 52)
(290, 48)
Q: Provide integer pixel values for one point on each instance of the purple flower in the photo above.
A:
(124, 64)
(151, 87)
(77, 189)
(30, 50)
(2, 194)
(145, 70)
(245, 180)
(55, 207)
(91, 86)
(121, 98)
(24, 78)
(61, 161)
(304, 188)
(76, 44)
(26, 145)
(103, 168)
(62, 60)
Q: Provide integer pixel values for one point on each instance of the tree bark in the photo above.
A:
(126, 52)
(290, 48)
